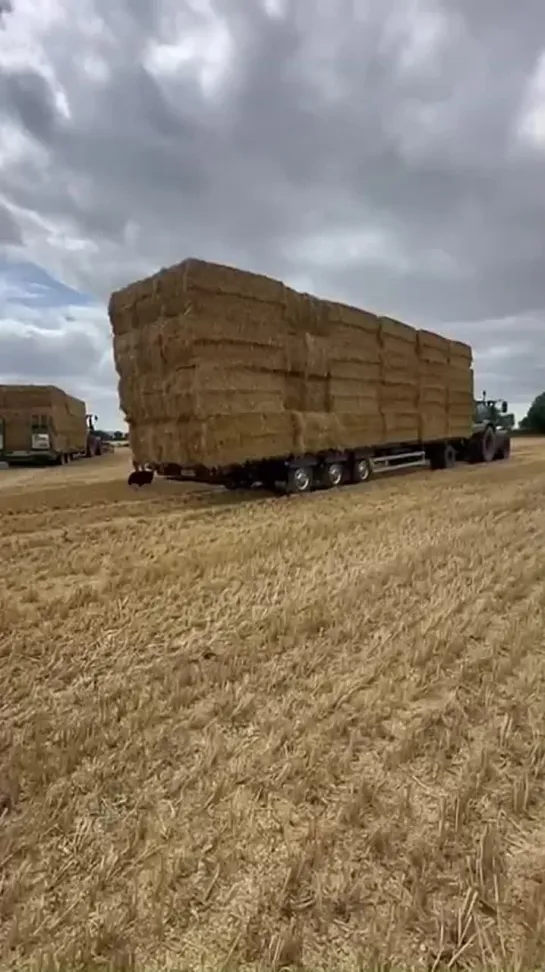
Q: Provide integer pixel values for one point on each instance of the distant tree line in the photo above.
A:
(534, 422)
(117, 436)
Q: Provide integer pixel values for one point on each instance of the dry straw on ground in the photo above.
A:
(249, 733)
(217, 366)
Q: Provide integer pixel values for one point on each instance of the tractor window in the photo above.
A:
(481, 411)
(39, 423)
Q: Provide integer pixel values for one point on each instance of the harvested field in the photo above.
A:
(242, 732)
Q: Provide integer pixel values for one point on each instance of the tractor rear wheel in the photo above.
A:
(482, 447)
(503, 450)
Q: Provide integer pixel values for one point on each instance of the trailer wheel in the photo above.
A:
(333, 475)
(442, 456)
(299, 479)
(362, 471)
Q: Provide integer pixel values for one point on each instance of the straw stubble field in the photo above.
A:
(265, 733)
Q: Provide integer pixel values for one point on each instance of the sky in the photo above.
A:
(386, 153)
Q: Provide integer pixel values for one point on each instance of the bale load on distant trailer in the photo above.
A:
(219, 367)
(41, 423)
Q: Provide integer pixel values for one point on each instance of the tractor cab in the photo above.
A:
(490, 411)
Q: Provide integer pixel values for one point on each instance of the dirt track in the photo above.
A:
(273, 732)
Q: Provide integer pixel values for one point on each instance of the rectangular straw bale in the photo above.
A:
(313, 316)
(306, 394)
(307, 355)
(224, 307)
(463, 384)
(459, 428)
(254, 435)
(433, 424)
(317, 431)
(433, 371)
(390, 328)
(398, 375)
(460, 397)
(360, 430)
(433, 355)
(343, 316)
(399, 427)
(458, 349)
(353, 396)
(258, 357)
(190, 328)
(225, 439)
(429, 339)
(432, 396)
(345, 345)
(192, 275)
(363, 371)
(211, 376)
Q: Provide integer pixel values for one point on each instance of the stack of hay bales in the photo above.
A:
(217, 366)
(47, 405)
(398, 381)
(433, 363)
(445, 387)
(460, 389)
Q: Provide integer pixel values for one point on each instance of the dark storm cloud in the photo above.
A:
(330, 122)
(6, 7)
(29, 99)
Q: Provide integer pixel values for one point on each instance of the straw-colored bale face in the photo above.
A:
(217, 366)
(21, 405)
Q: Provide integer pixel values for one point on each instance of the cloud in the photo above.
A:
(390, 155)
(52, 334)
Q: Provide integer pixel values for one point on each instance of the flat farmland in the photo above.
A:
(250, 732)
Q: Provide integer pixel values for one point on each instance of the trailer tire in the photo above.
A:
(442, 456)
(333, 475)
(362, 470)
(300, 479)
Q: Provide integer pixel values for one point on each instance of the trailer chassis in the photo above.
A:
(333, 468)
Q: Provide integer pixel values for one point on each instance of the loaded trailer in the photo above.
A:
(489, 441)
(43, 425)
(232, 378)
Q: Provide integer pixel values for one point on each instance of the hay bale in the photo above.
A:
(306, 394)
(397, 331)
(344, 318)
(428, 340)
(458, 351)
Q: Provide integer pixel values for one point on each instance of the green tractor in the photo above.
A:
(492, 426)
